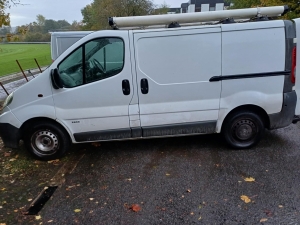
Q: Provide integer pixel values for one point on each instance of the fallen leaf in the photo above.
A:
(135, 208)
(96, 144)
(167, 174)
(77, 210)
(38, 217)
(268, 212)
(11, 160)
(245, 198)
(192, 213)
(249, 179)
(7, 154)
(200, 218)
(3, 189)
(1, 208)
(280, 206)
(54, 161)
(189, 190)
(91, 199)
(2, 223)
(30, 199)
(50, 221)
(263, 220)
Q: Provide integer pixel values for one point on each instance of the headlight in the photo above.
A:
(8, 100)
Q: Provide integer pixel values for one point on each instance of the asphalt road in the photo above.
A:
(186, 180)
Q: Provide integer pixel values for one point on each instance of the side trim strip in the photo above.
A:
(205, 127)
(103, 135)
(250, 75)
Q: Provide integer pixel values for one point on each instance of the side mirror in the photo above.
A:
(56, 82)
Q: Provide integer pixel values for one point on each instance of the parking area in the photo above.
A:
(184, 180)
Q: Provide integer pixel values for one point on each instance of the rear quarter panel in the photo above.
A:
(250, 48)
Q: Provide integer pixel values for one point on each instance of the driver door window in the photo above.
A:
(96, 60)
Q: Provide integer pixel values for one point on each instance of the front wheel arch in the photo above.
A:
(43, 131)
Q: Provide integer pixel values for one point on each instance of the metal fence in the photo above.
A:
(25, 63)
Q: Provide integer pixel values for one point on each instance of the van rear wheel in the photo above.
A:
(46, 140)
(243, 129)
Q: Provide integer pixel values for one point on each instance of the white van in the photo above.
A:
(61, 41)
(236, 79)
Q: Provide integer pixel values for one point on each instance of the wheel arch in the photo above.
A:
(28, 123)
(252, 108)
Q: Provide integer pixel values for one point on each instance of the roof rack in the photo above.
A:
(167, 19)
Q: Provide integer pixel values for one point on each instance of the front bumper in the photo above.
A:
(9, 129)
(10, 135)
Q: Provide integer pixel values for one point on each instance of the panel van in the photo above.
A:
(237, 79)
(61, 41)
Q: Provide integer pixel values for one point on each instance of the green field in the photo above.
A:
(25, 54)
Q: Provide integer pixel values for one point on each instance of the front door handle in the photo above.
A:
(144, 86)
(126, 87)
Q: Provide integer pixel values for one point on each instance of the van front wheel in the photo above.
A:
(243, 129)
(46, 141)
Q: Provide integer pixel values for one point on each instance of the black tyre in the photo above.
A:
(46, 140)
(243, 129)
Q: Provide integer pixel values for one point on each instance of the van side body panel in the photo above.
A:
(254, 55)
(177, 64)
(34, 99)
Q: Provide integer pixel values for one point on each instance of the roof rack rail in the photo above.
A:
(166, 19)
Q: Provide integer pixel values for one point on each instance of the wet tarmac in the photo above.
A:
(185, 180)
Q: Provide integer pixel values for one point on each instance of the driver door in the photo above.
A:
(93, 103)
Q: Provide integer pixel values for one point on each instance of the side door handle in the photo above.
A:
(126, 87)
(144, 86)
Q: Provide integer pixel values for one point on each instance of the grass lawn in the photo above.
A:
(25, 54)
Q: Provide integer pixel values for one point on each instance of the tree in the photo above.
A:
(294, 7)
(162, 9)
(4, 17)
(76, 25)
(95, 15)
(40, 19)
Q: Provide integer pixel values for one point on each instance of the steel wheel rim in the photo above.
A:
(244, 130)
(45, 142)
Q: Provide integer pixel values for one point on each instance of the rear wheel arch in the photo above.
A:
(251, 108)
(244, 126)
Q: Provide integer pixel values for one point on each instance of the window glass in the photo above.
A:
(102, 58)
(70, 70)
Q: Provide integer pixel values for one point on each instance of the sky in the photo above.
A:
(68, 10)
